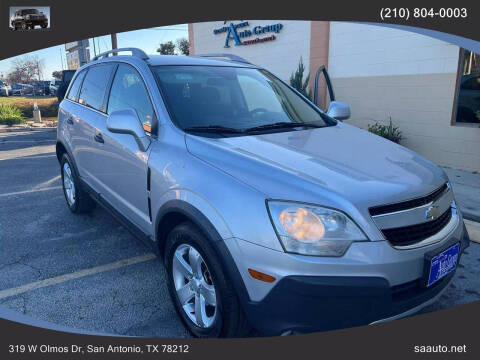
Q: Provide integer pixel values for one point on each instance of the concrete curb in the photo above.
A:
(471, 217)
(473, 229)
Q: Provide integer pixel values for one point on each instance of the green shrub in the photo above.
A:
(10, 115)
(296, 80)
(389, 131)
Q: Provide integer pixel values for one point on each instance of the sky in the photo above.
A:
(146, 39)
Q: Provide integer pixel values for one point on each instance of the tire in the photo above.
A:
(227, 320)
(24, 25)
(78, 201)
(44, 25)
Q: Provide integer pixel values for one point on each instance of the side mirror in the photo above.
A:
(127, 122)
(339, 110)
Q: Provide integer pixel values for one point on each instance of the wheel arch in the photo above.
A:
(61, 149)
(174, 212)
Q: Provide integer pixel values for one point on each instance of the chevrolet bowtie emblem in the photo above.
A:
(432, 212)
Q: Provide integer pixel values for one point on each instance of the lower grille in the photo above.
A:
(408, 235)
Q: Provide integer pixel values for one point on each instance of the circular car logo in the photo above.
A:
(432, 212)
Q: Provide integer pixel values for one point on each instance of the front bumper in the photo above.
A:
(40, 21)
(331, 300)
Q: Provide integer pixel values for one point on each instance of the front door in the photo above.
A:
(122, 166)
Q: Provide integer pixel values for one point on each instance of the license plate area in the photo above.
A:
(441, 264)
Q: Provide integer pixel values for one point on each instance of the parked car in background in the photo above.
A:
(28, 18)
(4, 89)
(54, 84)
(38, 90)
(22, 89)
(469, 99)
(45, 86)
(268, 212)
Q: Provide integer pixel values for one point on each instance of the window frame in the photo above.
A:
(102, 104)
(71, 84)
(453, 122)
(154, 128)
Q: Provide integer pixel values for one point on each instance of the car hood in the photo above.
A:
(322, 165)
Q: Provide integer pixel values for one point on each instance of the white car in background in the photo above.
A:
(4, 89)
(54, 84)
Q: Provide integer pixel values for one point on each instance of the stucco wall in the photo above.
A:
(411, 78)
(280, 56)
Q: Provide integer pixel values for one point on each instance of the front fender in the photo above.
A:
(196, 208)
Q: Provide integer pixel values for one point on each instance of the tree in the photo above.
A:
(26, 70)
(167, 48)
(183, 46)
(296, 80)
(57, 75)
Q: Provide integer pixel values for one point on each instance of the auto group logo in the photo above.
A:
(26, 18)
(241, 33)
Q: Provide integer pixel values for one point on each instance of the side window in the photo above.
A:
(94, 86)
(73, 93)
(128, 91)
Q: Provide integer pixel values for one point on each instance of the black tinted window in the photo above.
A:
(73, 93)
(94, 85)
(128, 91)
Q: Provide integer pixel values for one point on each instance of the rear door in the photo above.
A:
(122, 167)
(88, 118)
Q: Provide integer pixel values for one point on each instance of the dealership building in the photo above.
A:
(430, 89)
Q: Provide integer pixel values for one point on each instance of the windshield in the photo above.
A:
(30, 11)
(234, 101)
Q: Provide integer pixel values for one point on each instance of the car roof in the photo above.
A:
(156, 60)
(193, 60)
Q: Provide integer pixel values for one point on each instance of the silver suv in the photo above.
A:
(269, 213)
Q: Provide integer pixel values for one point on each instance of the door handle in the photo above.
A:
(99, 138)
(70, 121)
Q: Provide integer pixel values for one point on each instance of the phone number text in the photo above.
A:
(423, 13)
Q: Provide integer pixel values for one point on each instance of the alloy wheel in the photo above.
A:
(194, 286)
(68, 184)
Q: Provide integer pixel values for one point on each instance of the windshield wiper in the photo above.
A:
(218, 129)
(282, 125)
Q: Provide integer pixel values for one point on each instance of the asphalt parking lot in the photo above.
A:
(87, 272)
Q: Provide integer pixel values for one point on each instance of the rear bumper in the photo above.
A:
(303, 304)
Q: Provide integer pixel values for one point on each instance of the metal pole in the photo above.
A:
(61, 58)
(94, 48)
(114, 42)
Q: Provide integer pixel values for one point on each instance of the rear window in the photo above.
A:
(73, 93)
(94, 86)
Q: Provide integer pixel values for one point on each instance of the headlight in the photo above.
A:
(313, 230)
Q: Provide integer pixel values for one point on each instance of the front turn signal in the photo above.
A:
(261, 276)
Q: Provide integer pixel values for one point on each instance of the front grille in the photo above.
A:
(409, 204)
(408, 235)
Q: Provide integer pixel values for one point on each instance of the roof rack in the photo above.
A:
(135, 52)
(228, 56)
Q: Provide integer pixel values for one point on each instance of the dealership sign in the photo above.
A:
(242, 35)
